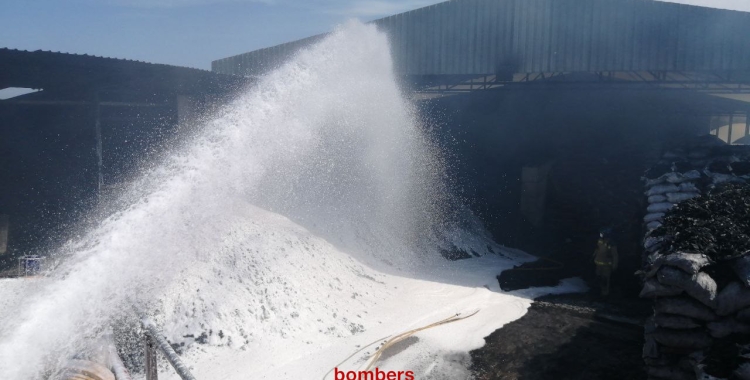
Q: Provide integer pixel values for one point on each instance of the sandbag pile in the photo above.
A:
(697, 264)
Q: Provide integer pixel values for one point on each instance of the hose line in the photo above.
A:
(398, 338)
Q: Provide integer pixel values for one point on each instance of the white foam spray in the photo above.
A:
(326, 140)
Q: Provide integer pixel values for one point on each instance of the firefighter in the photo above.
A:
(605, 259)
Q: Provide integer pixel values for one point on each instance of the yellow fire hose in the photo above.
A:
(398, 338)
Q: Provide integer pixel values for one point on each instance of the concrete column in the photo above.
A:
(534, 192)
(4, 226)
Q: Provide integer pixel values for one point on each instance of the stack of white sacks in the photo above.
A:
(666, 191)
(692, 314)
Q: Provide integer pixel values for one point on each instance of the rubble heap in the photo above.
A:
(697, 263)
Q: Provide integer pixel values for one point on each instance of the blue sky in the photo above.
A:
(190, 32)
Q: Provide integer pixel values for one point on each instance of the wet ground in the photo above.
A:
(580, 336)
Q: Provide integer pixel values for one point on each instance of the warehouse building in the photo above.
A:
(79, 129)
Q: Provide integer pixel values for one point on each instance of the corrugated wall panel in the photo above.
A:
(703, 48)
(738, 41)
(547, 18)
(681, 56)
(588, 35)
(472, 54)
(472, 34)
(745, 43)
(552, 26)
(583, 31)
(518, 33)
(714, 26)
(442, 12)
(542, 36)
(719, 28)
(435, 40)
(731, 43)
(510, 58)
(688, 31)
(494, 21)
(482, 32)
(463, 44)
(451, 42)
(569, 34)
(601, 38)
(402, 43)
(401, 57)
(497, 15)
(455, 38)
(428, 60)
(406, 34)
(553, 52)
(582, 35)
(398, 44)
(419, 62)
(558, 38)
(413, 55)
(667, 37)
(629, 35)
(612, 31)
(645, 35)
(531, 9)
(662, 16)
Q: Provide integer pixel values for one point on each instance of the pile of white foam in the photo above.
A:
(295, 307)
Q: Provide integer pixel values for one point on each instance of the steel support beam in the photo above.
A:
(80, 103)
(709, 82)
(98, 142)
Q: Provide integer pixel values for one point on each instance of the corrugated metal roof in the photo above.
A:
(51, 70)
(7, 50)
(486, 37)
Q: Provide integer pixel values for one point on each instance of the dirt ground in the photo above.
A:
(582, 336)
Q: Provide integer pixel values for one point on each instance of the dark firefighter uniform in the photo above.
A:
(605, 258)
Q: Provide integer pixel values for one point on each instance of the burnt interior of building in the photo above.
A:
(89, 124)
(586, 153)
(546, 171)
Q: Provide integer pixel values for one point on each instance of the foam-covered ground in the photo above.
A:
(290, 305)
(299, 306)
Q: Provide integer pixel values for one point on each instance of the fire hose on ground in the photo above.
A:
(102, 361)
(166, 349)
(398, 338)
